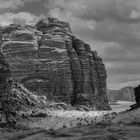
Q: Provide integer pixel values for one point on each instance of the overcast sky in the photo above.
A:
(112, 27)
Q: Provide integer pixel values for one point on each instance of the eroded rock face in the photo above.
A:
(5, 83)
(51, 61)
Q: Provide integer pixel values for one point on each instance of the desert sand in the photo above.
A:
(79, 125)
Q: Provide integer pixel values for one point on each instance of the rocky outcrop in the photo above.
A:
(123, 94)
(50, 60)
(137, 95)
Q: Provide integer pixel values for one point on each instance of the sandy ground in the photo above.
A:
(81, 125)
(66, 119)
(122, 106)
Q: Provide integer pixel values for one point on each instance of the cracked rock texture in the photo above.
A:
(48, 59)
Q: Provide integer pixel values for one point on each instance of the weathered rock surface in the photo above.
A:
(5, 76)
(50, 60)
(6, 106)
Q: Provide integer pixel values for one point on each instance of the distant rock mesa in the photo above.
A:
(123, 94)
(48, 59)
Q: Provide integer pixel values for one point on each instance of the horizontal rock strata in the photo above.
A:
(50, 60)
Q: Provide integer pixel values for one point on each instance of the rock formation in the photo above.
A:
(137, 95)
(137, 98)
(6, 106)
(48, 59)
(123, 94)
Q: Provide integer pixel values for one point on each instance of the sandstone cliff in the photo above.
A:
(48, 59)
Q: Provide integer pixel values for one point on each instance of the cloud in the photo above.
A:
(113, 10)
(13, 4)
(105, 20)
(4, 4)
(18, 18)
(134, 14)
(112, 27)
(124, 11)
